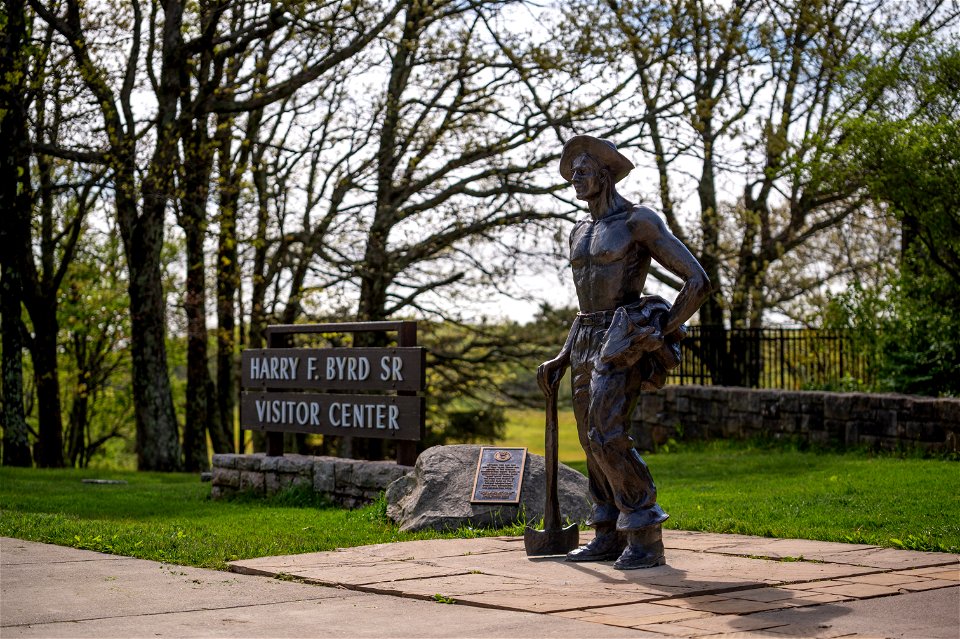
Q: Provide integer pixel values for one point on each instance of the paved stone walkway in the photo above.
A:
(713, 586)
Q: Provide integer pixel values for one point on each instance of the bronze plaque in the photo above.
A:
(377, 416)
(499, 476)
(367, 369)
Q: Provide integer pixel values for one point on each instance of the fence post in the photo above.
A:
(407, 450)
(275, 439)
(840, 349)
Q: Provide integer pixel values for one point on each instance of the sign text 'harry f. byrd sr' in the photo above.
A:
(326, 369)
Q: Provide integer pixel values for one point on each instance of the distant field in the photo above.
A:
(525, 427)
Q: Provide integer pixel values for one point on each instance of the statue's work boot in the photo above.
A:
(607, 545)
(644, 550)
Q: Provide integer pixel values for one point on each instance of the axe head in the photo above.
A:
(559, 541)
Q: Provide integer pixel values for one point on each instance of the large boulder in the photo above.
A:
(436, 495)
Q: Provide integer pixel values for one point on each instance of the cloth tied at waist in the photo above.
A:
(634, 340)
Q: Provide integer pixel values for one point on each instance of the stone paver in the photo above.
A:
(713, 585)
(362, 574)
(934, 613)
(788, 548)
(933, 584)
(457, 586)
(726, 624)
(809, 597)
(859, 591)
(938, 572)
(890, 558)
(886, 579)
(544, 599)
(630, 619)
(764, 594)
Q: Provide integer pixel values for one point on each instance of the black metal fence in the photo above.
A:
(784, 358)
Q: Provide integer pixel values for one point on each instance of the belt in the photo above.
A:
(599, 318)
(603, 318)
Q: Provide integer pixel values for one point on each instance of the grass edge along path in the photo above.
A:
(885, 501)
(169, 517)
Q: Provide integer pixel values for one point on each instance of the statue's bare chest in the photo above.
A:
(601, 243)
(609, 264)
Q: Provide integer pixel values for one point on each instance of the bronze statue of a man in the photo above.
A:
(621, 342)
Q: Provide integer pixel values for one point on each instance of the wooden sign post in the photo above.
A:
(382, 385)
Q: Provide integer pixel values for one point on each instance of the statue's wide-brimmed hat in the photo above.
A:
(603, 151)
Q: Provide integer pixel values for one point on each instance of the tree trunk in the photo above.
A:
(195, 456)
(77, 431)
(228, 280)
(158, 446)
(14, 202)
(198, 165)
(256, 335)
(42, 298)
(372, 308)
(48, 452)
(258, 318)
(16, 443)
(713, 343)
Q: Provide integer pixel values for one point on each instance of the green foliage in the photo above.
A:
(865, 313)
(923, 355)
(484, 424)
(909, 156)
(94, 368)
(476, 370)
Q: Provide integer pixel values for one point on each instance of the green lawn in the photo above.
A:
(887, 501)
(721, 487)
(169, 517)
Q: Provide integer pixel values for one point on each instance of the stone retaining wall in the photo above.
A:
(347, 482)
(836, 419)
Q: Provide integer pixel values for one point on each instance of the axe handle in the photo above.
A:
(551, 509)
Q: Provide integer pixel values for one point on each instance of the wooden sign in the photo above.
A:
(385, 383)
(376, 416)
(367, 369)
(499, 476)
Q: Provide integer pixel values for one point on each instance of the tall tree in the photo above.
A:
(95, 324)
(62, 194)
(274, 54)
(908, 150)
(14, 169)
(168, 43)
(140, 204)
(741, 103)
(422, 187)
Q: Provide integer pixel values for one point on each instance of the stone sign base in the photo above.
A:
(346, 482)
